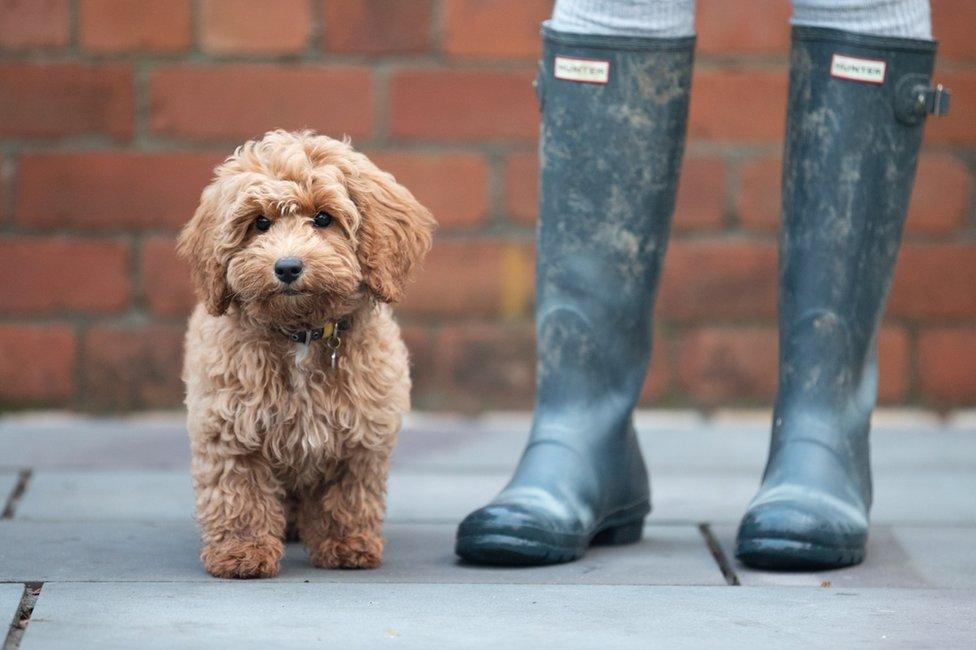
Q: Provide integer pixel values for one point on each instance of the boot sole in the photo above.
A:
(791, 555)
(511, 550)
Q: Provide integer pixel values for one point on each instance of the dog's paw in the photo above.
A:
(243, 558)
(358, 551)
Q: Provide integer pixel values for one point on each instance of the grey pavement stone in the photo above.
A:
(54, 440)
(10, 595)
(944, 556)
(116, 551)
(937, 496)
(124, 495)
(671, 440)
(898, 556)
(167, 495)
(263, 614)
(8, 481)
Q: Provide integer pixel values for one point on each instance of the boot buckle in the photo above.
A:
(934, 101)
(915, 97)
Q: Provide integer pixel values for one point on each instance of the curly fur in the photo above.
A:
(279, 444)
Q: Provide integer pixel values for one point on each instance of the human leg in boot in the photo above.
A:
(857, 105)
(614, 111)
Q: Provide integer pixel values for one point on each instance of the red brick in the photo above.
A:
(744, 26)
(425, 390)
(701, 194)
(758, 205)
(110, 189)
(134, 25)
(734, 104)
(722, 365)
(952, 25)
(485, 366)
(65, 99)
(946, 363)
(376, 26)
(254, 26)
(459, 105)
(5, 179)
(718, 280)
(942, 196)
(246, 101)
(500, 28)
(473, 279)
(166, 288)
(454, 187)
(957, 127)
(37, 364)
(33, 23)
(43, 276)
(132, 368)
(522, 187)
(934, 282)
(894, 365)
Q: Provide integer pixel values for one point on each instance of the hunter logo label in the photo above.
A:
(583, 70)
(867, 70)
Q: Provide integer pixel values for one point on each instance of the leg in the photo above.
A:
(612, 140)
(645, 18)
(239, 509)
(853, 134)
(342, 524)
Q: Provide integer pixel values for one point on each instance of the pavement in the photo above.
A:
(98, 548)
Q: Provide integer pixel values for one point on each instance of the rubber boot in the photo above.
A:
(614, 111)
(856, 109)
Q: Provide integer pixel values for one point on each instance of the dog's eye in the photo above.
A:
(322, 219)
(262, 223)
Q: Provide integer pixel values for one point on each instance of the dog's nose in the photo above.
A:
(287, 269)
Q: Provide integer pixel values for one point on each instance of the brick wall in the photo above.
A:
(113, 112)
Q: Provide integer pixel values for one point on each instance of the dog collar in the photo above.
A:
(329, 332)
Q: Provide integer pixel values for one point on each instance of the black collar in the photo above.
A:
(327, 331)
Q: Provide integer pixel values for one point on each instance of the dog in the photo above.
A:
(296, 375)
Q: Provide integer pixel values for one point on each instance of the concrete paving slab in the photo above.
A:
(115, 551)
(671, 440)
(8, 481)
(124, 495)
(262, 614)
(899, 556)
(944, 556)
(10, 595)
(939, 496)
(932, 496)
(54, 440)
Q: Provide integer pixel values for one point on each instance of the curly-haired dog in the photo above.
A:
(296, 375)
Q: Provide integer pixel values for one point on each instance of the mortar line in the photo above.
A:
(25, 609)
(23, 477)
(718, 555)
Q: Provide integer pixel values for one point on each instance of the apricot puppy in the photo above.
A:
(296, 375)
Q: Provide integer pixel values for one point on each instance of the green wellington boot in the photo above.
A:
(857, 105)
(614, 111)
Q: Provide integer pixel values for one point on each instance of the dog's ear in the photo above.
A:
(395, 233)
(197, 244)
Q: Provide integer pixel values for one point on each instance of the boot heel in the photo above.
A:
(623, 534)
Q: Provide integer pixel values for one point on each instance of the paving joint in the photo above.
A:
(10, 507)
(718, 555)
(23, 615)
